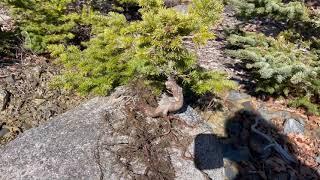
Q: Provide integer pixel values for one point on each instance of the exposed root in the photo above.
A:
(167, 104)
(149, 144)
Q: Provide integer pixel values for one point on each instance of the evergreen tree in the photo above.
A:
(44, 22)
(275, 9)
(119, 49)
(288, 64)
(279, 67)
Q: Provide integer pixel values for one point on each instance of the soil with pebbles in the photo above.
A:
(29, 99)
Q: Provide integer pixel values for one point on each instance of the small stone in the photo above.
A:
(318, 159)
(248, 105)
(38, 102)
(10, 79)
(182, 8)
(236, 96)
(230, 169)
(293, 126)
(4, 131)
(4, 99)
(34, 84)
(189, 116)
(4, 18)
(237, 100)
(37, 71)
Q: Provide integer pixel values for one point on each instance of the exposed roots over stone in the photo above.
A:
(148, 145)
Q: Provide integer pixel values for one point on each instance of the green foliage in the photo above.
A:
(148, 49)
(120, 51)
(294, 14)
(279, 67)
(306, 103)
(289, 63)
(207, 11)
(275, 9)
(203, 82)
(44, 22)
(7, 40)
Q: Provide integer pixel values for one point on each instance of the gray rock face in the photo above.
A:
(79, 144)
(189, 116)
(293, 126)
(269, 114)
(61, 149)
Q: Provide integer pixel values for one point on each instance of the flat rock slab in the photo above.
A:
(61, 149)
(72, 146)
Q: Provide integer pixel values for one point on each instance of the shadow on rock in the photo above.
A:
(205, 154)
(253, 149)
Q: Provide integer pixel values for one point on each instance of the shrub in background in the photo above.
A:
(292, 11)
(279, 67)
(44, 22)
(286, 65)
(295, 15)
